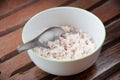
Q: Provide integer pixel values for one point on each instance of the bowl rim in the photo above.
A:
(67, 60)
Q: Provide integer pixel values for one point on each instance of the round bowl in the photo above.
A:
(62, 16)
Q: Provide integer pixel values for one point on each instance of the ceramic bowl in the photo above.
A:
(60, 16)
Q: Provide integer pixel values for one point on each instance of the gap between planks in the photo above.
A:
(115, 76)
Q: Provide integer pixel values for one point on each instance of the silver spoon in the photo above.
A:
(42, 40)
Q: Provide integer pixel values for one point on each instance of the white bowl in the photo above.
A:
(59, 16)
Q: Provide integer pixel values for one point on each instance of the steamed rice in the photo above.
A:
(71, 45)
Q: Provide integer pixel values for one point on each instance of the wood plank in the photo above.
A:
(9, 43)
(112, 34)
(23, 15)
(109, 59)
(13, 64)
(108, 10)
(6, 8)
(84, 3)
(115, 76)
(33, 74)
(105, 12)
(112, 31)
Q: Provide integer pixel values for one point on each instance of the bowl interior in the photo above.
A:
(60, 16)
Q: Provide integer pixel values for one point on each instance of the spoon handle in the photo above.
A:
(26, 46)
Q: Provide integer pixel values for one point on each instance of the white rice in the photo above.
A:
(71, 45)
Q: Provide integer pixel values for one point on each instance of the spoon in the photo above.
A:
(42, 40)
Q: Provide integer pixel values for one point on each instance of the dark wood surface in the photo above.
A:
(15, 13)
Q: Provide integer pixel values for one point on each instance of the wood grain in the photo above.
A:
(84, 3)
(112, 34)
(34, 74)
(105, 12)
(13, 64)
(108, 10)
(9, 43)
(111, 30)
(8, 7)
(115, 76)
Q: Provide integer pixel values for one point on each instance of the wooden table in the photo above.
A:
(15, 13)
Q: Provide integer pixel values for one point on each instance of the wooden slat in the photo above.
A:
(24, 14)
(9, 43)
(84, 3)
(113, 31)
(108, 10)
(10, 6)
(115, 76)
(105, 62)
(13, 64)
(33, 74)
(105, 12)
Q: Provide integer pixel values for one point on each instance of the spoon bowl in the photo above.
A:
(42, 40)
